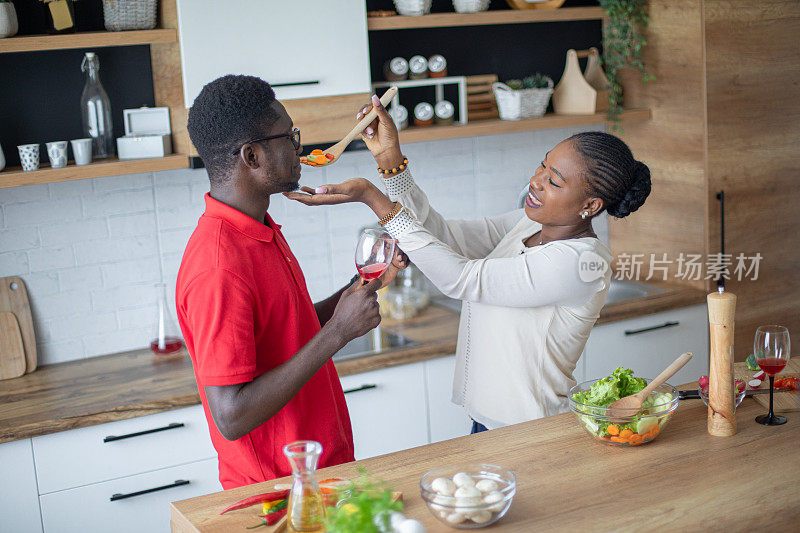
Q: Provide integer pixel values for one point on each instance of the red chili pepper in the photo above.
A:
(269, 520)
(254, 500)
(272, 518)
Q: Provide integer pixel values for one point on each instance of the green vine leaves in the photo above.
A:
(622, 46)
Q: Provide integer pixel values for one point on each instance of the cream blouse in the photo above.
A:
(526, 313)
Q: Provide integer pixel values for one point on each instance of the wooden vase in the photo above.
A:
(596, 77)
(574, 95)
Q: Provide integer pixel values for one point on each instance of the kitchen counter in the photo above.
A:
(115, 387)
(684, 480)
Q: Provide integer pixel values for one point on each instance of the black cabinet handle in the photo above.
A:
(174, 425)
(366, 386)
(178, 483)
(652, 328)
(295, 83)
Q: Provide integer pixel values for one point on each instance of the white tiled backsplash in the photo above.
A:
(90, 251)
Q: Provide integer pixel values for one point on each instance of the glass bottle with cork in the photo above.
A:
(96, 109)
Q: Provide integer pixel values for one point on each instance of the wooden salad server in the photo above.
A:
(337, 149)
(630, 405)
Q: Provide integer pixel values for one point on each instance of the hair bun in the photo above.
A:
(636, 194)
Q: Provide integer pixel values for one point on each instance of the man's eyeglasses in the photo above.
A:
(293, 135)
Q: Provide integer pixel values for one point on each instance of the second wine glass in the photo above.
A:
(771, 348)
(374, 253)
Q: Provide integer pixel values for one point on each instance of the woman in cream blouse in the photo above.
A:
(529, 279)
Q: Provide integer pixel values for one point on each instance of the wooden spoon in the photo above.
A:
(630, 405)
(337, 149)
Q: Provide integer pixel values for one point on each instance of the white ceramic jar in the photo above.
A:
(8, 20)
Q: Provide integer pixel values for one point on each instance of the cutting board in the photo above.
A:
(14, 299)
(782, 401)
(12, 354)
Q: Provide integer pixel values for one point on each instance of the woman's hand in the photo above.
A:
(352, 190)
(399, 262)
(381, 136)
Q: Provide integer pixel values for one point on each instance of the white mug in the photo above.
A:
(2, 159)
(57, 152)
(82, 150)
(29, 156)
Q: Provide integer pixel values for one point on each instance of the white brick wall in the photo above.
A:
(90, 251)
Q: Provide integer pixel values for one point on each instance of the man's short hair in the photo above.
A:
(227, 113)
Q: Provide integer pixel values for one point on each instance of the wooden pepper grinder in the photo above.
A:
(721, 310)
(721, 406)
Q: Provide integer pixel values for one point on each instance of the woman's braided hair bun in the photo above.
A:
(614, 176)
(636, 194)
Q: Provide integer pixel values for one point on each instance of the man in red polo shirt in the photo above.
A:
(260, 348)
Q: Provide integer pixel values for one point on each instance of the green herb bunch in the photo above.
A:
(536, 81)
(622, 46)
(362, 502)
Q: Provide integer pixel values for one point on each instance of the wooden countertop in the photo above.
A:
(684, 480)
(115, 387)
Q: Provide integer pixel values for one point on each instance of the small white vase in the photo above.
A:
(2, 159)
(8, 20)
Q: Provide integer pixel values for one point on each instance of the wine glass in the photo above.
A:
(771, 348)
(374, 253)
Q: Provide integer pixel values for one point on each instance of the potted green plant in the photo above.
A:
(623, 43)
(8, 19)
(523, 98)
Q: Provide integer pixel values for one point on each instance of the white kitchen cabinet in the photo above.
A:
(117, 449)
(446, 419)
(304, 49)
(648, 344)
(387, 409)
(134, 509)
(19, 503)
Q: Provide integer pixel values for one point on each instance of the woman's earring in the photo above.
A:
(584, 214)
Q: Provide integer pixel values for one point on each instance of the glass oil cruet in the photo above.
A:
(306, 510)
(166, 339)
(96, 109)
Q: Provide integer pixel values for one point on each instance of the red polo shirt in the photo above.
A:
(244, 309)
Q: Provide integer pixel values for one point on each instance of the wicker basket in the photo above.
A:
(523, 103)
(413, 8)
(130, 14)
(470, 6)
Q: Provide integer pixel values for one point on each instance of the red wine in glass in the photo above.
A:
(772, 365)
(771, 348)
(371, 272)
(374, 253)
(170, 345)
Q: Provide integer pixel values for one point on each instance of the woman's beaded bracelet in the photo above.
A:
(395, 170)
(391, 214)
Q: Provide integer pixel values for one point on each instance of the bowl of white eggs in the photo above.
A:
(468, 496)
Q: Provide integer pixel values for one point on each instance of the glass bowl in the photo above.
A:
(632, 430)
(472, 511)
(738, 398)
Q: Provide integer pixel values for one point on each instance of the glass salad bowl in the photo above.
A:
(632, 430)
(738, 396)
(468, 496)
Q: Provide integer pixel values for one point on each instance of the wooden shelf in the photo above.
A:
(16, 177)
(90, 39)
(485, 18)
(494, 126)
